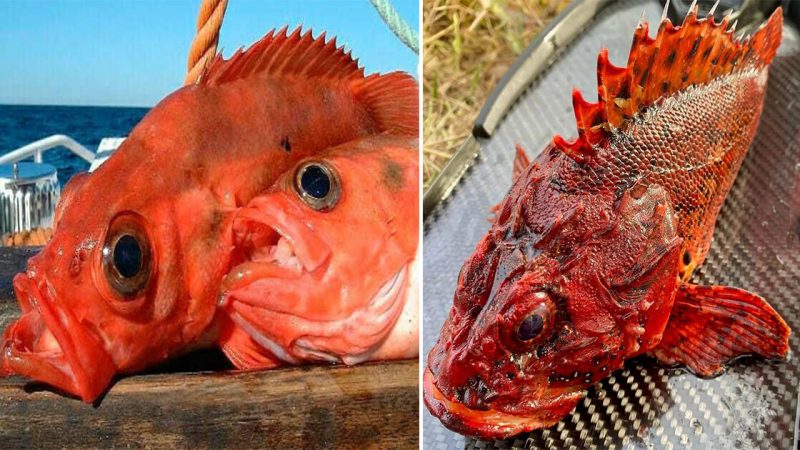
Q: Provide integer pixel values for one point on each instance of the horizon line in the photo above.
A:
(76, 105)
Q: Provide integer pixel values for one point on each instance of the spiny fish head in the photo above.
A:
(494, 363)
(540, 316)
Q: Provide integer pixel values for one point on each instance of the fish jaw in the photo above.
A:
(50, 345)
(491, 423)
(284, 257)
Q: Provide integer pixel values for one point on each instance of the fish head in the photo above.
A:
(544, 308)
(107, 294)
(332, 244)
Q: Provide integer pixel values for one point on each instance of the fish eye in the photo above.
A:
(317, 184)
(536, 322)
(526, 323)
(127, 256)
(530, 328)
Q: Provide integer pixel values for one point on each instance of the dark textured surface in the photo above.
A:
(756, 246)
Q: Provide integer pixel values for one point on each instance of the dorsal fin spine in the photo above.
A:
(285, 53)
(694, 53)
(588, 117)
(612, 83)
(391, 100)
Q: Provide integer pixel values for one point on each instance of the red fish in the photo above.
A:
(263, 209)
(589, 259)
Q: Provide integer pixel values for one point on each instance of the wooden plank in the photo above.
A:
(368, 406)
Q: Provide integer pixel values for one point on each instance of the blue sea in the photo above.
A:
(23, 124)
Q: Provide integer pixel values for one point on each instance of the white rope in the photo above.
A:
(396, 23)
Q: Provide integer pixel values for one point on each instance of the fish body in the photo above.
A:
(588, 261)
(150, 251)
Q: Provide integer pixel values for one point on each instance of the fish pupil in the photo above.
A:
(128, 256)
(530, 327)
(315, 182)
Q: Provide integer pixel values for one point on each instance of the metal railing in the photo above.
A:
(38, 148)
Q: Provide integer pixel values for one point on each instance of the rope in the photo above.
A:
(396, 23)
(204, 45)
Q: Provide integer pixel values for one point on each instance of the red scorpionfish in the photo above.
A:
(590, 255)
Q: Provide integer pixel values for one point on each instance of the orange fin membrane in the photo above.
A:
(281, 53)
(693, 53)
(243, 351)
(712, 325)
(391, 98)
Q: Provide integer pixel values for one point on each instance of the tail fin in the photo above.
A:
(694, 53)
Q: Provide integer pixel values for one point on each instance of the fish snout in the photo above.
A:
(49, 344)
(459, 380)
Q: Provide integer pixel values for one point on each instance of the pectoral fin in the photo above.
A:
(243, 351)
(711, 325)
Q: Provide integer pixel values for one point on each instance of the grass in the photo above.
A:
(468, 46)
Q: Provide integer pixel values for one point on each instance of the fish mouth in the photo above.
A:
(50, 345)
(491, 423)
(282, 249)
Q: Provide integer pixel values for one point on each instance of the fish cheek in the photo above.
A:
(392, 174)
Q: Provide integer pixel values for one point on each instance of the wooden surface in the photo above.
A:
(367, 406)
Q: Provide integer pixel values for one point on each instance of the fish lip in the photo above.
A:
(59, 363)
(485, 424)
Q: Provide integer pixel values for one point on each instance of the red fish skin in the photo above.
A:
(201, 154)
(593, 243)
(307, 312)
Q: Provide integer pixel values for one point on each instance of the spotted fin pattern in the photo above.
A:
(694, 53)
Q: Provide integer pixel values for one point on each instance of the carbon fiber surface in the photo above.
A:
(756, 247)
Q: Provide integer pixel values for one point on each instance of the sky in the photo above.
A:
(133, 53)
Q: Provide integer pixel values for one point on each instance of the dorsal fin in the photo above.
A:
(281, 53)
(691, 54)
(391, 99)
(521, 162)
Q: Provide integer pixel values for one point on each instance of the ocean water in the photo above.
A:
(23, 124)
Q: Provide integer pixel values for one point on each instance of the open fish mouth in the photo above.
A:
(490, 423)
(282, 249)
(49, 345)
